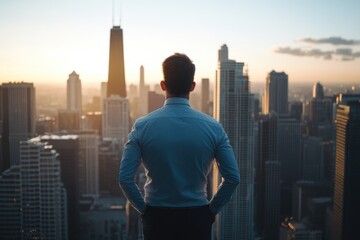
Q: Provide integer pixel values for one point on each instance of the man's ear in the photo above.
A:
(163, 85)
(192, 86)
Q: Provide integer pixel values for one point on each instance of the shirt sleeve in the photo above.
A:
(228, 168)
(129, 165)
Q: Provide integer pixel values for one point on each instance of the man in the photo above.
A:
(176, 145)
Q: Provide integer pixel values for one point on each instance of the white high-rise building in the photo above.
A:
(116, 118)
(74, 95)
(233, 108)
(43, 197)
(88, 162)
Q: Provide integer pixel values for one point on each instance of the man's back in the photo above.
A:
(178, 145)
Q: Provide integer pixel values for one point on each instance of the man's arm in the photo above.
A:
(129, 165)
(229, 170)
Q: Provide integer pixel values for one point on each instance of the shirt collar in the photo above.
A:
(177, 101)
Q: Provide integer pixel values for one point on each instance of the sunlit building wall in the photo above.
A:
(89, 162)
(233, 108)
(347, 168)
(74, 94)
(275, 97)
(205, 95)
(116, 118)
(116, 79)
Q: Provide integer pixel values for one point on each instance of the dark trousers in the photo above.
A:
(162, 223)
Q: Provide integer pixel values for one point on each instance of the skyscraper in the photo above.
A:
(233, 108)
(205, 95)
(67, 146)
(268, 179)
(116, 109)
(116, 79)
(17, 120)
(347, 177)
(43, 197)
(116, 118)
(10, 199)
(89, 162)
(143, 95)
(74, 95)
(276, 93)
(289, 153)
(318, 91)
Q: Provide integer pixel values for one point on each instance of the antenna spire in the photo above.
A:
(116, 12)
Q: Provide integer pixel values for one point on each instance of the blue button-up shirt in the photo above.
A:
(177, 145)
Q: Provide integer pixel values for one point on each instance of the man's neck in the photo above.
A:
(168, 95)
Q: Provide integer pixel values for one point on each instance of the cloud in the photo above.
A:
(345, 54)
(332, 41)
(327, 55)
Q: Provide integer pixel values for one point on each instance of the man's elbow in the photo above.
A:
(235, 180)
(124, 181)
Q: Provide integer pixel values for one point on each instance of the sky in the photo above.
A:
(312, 41)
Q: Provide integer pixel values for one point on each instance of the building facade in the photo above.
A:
(233, 108)
(347, 168)
(17, 120)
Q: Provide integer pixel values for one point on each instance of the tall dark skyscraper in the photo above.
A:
(17, 120)
(276, 93)
(116, 79)
(347, 177)
(268, 178)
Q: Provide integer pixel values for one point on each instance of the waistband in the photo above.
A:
(176, 208)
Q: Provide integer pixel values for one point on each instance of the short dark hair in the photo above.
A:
(179, 73)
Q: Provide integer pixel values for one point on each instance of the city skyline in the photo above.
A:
(310, 41)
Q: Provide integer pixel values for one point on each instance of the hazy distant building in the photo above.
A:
(205, 95)
(74, 94)
(43, 197)
(275, 97)
(88, 162)
(318, 91)
(17, 120)
(143, 95)
(93, 121)
(103, 94)
(45, 125)
(233, 108)
(155, 100)
(68, 120)
(347, 178)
